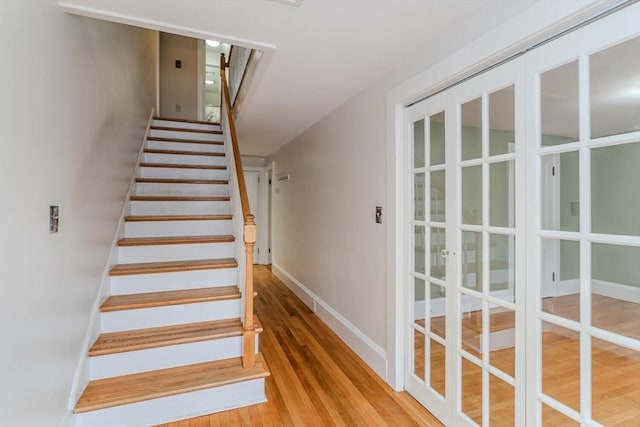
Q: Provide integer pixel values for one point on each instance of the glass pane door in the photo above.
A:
(585, 245)
(490, 308)
(428, 276)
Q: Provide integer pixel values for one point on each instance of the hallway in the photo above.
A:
(316, 380)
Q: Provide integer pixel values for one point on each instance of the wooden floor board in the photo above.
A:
(316, 380)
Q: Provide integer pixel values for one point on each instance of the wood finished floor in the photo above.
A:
(316, 380)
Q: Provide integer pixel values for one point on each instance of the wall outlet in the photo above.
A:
(178, 108)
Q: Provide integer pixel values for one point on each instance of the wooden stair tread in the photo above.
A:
(141, 339)
(183, 152)
(199, 122)
(172, 266)
(174, 240)
(110, 392)
(182, 181)
(181, 166)
(143, 218)
(159, 299)
(180, 129)
(188, 141)
(180, 198)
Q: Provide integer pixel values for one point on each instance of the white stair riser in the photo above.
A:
(185, 159)
(131, 362)
(185, 146)
(177, 407)
(180, 208)
(176, 134)
(183, 173)
(174, 189)
(177, 228)
(127, 320)
(159, 282)
(157, 253)
(185, 125)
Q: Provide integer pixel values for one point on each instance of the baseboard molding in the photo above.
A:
(81, 376)
(371, 353)
(616, 290)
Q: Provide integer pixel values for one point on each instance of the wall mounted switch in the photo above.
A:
(54, 216)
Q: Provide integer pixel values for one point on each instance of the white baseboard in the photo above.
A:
(81, 376)
(372, 354)
(616, 290)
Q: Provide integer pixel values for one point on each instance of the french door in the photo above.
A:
(524, 230)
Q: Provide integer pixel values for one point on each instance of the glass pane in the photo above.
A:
(502, 135)
(438, 263)
(438, 196)
(437, 367)
(418, 301)
(502, 269)
(438, 308)
(553, 418)
(471, 259)
(502, 196)
(501, 403)
(418, 196)
(615, 373)
(471, 324)
(471, 133)
(418, 354)
(561, 364)
(615, 89)
(418, 144)
(502, 343)
(560, 192)
(419, 252)
(559, 102)
(472, 390)
(472, 195)
(615, 193)
(437, 151)
(615, 286)
(560, 278)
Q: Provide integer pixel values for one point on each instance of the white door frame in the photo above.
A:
(262, 214)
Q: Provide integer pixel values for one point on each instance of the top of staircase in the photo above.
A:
(198, 122)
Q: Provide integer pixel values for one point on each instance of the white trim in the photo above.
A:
(81, 376)
(200, 54)
(616, 290)
(370, 352)
(105, 15)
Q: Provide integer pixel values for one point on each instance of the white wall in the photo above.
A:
(76, 96)
(178, 86)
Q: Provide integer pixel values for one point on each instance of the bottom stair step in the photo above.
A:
(129, 389)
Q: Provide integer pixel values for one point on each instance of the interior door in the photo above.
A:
(466, 272)
(430, 226)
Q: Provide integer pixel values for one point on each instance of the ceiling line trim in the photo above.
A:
(151, 24)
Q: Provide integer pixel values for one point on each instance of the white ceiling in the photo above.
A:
(318, 55)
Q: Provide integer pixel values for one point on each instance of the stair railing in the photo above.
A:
(245, 227)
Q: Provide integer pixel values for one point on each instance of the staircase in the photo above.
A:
(171, 337)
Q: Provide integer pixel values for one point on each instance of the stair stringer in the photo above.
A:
(82, 374)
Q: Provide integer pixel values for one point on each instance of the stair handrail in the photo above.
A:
(249, 229)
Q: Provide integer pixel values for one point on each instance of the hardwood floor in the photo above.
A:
(316, 380)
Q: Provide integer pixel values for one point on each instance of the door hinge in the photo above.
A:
(269, 182)
(553, 276)
(269, 250)
(553, 171)
(258, 250)
(258, 180)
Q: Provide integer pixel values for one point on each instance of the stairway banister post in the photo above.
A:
(249, 229)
